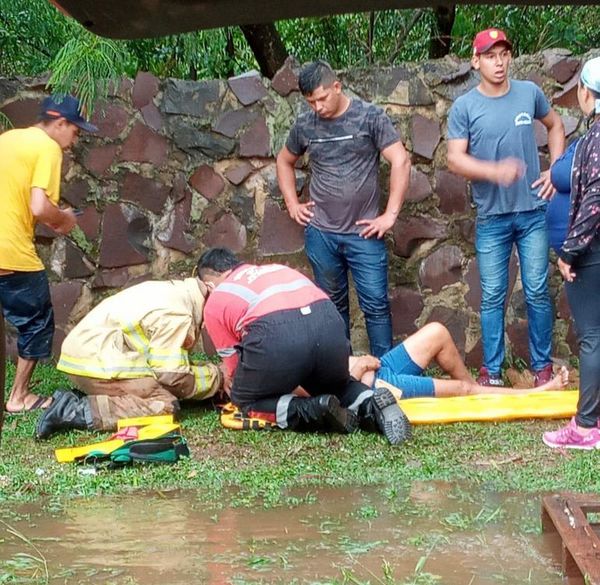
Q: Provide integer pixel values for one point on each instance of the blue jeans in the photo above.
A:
(495, 236)
(331, 255)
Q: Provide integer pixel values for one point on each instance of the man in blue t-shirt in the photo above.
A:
(491, 142)
(344, 139)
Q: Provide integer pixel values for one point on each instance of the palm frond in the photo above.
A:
(87, 66)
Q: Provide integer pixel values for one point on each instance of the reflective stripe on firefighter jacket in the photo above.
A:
(144, 331)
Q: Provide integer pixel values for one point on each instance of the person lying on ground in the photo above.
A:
(401, 369)
(129, 355)
(276, 330)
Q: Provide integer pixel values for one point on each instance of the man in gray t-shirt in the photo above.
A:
(491, 141)
(344, 138)
(501, 128)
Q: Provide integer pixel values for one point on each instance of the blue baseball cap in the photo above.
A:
(67, 107)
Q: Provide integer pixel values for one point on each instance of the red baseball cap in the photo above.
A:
(486, 39)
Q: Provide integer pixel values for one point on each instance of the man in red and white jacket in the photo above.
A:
(277, 332)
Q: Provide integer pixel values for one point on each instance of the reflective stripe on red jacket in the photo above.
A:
(251, 292)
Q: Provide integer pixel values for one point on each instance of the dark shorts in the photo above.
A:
(26, 304)
(298, 347)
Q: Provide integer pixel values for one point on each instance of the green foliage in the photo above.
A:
(391, 37)
(86, 66)
(359, 40)
(207, 54)
(35, 38)
(31, 33)
(5, 123)
(530, 28)
(78, 236)
(419, 576)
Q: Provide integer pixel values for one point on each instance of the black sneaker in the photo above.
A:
(390, 418)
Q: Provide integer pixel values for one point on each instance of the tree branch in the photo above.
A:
(414, 19)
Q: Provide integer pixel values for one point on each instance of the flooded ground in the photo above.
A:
(428, 534)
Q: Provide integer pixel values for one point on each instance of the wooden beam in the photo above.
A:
(580, 548)
(134, 19)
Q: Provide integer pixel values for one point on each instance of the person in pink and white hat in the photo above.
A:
(579, 264)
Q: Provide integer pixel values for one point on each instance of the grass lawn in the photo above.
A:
(261, 467)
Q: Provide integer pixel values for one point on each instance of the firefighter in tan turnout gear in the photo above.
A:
(129, 356)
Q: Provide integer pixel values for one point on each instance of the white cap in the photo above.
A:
(590, 78)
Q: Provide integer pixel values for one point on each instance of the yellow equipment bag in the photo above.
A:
(148, 427)
(491, 407)
(143, 421)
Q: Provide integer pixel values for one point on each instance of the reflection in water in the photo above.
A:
(465, 536)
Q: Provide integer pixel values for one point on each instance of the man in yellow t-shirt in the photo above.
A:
(30, 166)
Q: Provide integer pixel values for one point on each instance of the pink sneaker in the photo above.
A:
(570, 438)
(487, 379)
(543, 376)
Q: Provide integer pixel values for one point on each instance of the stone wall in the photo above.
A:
(178, 166)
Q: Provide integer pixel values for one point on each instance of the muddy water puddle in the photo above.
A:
(426, 534)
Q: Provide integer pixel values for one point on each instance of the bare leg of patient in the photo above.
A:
(446, 388)
(433, 342)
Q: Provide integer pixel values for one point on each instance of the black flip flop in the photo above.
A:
(37, 405)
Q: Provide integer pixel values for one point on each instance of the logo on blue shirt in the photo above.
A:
(523, 119)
